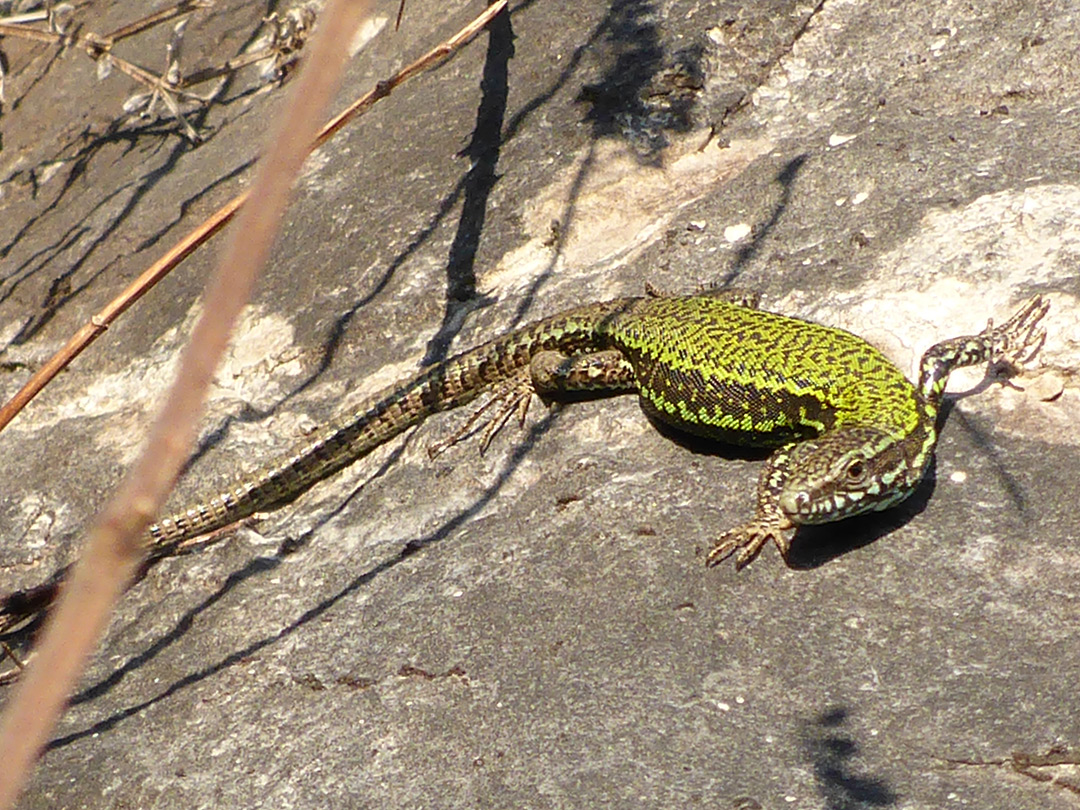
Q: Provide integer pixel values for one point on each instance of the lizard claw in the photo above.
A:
(748, 541)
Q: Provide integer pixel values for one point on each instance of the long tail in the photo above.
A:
(353, 435)
(388, 413)
(333, 447)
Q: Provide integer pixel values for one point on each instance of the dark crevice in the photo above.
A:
(483, 154)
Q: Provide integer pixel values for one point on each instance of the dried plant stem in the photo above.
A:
(89, 332)
(97, 325)
(156, 18)
(115, 549)
(8, 30)
(428, 61)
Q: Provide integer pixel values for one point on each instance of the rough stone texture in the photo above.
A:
(553, 640)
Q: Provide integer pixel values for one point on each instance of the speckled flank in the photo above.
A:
(752, 377)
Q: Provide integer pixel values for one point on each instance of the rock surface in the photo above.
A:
(534, 627)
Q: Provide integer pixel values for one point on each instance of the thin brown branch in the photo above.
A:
(115, 546)
(97, 325)
(36, 34)
(88, 333)
(224, 69)
(428, 61)
(96, 44)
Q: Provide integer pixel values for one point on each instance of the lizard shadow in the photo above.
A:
(814, 546)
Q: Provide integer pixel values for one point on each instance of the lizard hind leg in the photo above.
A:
(512, 394)
(556, 373)
(548, 373)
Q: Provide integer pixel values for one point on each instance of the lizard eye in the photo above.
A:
(855, 472)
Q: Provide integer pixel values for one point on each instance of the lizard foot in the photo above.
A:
(514, 394)
(748, 541)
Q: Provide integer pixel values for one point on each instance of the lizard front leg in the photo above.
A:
(611, 371)
(769, 523)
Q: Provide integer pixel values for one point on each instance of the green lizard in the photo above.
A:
(853, 434)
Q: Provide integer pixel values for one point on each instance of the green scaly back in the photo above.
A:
(751, 377)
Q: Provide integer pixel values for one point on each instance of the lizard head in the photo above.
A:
(845, 472)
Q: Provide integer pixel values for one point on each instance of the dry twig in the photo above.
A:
(115, 548)
(288, 32)
(97, 325)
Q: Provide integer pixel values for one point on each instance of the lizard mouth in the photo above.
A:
(804, 507)
(801, 506)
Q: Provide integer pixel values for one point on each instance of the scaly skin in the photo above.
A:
(853, 433)
(378, 419)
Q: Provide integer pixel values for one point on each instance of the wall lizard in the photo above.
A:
(852, 433)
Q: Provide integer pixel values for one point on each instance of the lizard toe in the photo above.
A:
(746, 542)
